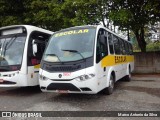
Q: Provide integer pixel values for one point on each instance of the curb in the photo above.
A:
(145, 77)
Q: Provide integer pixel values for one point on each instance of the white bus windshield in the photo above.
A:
(70, 45)
(11, 50)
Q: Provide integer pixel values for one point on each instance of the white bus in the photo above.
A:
(21, 49)
(85, 59)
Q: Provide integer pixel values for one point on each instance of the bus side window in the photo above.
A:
(123, 51)
(110, 41)
(36, 47)
(127, 48)
(101, 48)
(130, 49)
(116, 45)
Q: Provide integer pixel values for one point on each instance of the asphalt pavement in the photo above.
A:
(142, 93)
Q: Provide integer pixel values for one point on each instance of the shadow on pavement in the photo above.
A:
(21, 91)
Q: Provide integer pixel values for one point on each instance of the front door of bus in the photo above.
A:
(101, 53)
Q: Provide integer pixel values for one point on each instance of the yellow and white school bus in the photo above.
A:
(21, 49)
(85, 59)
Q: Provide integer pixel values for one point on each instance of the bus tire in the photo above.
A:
(110, 88)
(128, 77)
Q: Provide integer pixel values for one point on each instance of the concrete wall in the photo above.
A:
(147, 62)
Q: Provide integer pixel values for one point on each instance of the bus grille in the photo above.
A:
(62, 68)
(62, 86)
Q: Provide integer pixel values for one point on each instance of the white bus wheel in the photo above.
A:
(128, 77)
(110, 88)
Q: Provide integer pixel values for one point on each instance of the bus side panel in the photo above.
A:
(32, 76)
(113, 61)
(21, 80)
(100, 76)
(130, 62)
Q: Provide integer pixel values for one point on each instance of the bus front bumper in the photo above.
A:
(12, 79)
(73, 86)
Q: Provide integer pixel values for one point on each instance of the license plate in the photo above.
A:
(1, 80)
(62, 91)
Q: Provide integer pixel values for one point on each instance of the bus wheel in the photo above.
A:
(128, 77)
(110, 88)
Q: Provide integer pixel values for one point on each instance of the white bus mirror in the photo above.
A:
(34, 47)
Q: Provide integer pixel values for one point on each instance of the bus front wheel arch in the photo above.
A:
(109, 90)
(128, 77)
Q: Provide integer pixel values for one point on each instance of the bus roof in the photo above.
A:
(28, 27)
(93, 26)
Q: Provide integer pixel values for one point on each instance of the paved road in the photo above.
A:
(141, 95)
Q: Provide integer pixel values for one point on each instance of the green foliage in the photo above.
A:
(153, 46)
(85, 12)
(134, 15)
(49, 14)
(58, 14)
(11, 12)
(52, 14)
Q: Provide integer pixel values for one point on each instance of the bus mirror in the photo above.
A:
(34, 47)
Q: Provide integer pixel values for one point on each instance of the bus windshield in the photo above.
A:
(11, 50)
(70, 45)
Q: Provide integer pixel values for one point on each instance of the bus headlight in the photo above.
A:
(41, 77)
(85, 77)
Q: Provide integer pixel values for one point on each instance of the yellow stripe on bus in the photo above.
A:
(112, 60)
(37, 66)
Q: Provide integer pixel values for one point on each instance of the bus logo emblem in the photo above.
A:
(60, 75)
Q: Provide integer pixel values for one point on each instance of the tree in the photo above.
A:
(91, 12)
(153, 46)
(134, 15)
(54, 15)
(11, 12)
(49, 14)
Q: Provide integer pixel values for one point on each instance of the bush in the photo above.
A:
(153, 46)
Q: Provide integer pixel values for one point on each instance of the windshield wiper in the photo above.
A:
(11, 41)
(54, 55)
(8, 44)
(75, 51)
